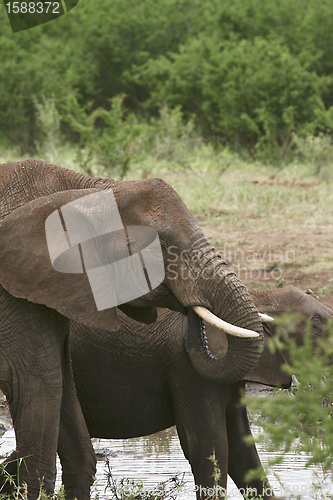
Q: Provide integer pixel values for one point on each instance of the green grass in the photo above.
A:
(244, 195)
(237, 198)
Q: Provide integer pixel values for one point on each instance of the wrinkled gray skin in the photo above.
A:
(37, 304)
(142, 380)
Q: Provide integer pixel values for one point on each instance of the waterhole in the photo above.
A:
(147, 461)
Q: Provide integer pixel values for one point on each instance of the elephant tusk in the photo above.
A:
(218, 323)
(265, 318)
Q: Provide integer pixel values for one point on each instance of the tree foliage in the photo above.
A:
(252, 72)
(301, 418)
(250, 91)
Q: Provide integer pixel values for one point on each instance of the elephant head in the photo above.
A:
(44, 258)
(304, 311)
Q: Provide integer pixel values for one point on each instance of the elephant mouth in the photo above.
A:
(204, 339)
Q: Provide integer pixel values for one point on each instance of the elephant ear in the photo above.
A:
(62, 251)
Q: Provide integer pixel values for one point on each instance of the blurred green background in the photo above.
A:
(114, 79)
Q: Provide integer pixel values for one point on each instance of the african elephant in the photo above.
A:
(144, 379)
(48, 266)
(307, 310)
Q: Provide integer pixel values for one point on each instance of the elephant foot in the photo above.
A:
(13, 472)
(8, 474)
(74, 487)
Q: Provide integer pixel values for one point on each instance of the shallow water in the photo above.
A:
(156, 458)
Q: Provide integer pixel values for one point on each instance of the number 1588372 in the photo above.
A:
(32, 7)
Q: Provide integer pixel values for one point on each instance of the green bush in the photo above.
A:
(300, 419)
(117, 140)
(251, 72)
(317, 150)
(253, 93)
(48, 121)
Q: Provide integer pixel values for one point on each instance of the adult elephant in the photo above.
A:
(145, 379)
(305, 311)
(51, 250)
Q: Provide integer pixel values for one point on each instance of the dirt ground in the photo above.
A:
(267, 259)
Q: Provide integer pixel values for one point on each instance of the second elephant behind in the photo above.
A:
(143, 380)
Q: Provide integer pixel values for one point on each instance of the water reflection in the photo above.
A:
(150, 459)
(160, 443)
(158, 457)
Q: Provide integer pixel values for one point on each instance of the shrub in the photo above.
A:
(253, 93)
(301, 418)
(317, 150)
(48, 121)
(116, 139)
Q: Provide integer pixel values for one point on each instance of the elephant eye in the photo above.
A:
(317, 320)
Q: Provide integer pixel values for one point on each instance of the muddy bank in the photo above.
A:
(264, 260)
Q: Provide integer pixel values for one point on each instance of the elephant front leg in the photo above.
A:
(206, 451)
(201, 426)
(75, 450)
(35, 414)
(243, 457)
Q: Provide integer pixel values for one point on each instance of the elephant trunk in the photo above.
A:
(228, 299)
